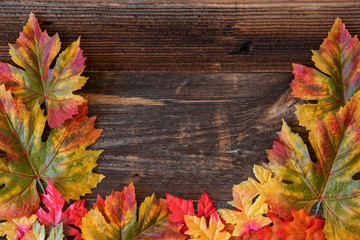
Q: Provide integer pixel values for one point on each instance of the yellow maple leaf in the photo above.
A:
(255, 187)
(249, 216)
(198, 228)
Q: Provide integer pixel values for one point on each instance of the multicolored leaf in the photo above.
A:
(256, 187)
(15, 229)
(198, 228)
(330, 180)
(302, 227)
(38, 233)
(55, 215)
(230, 229)
(35, 82)
(63, 157)
(116, 218)
(335, 81)
(268, 232)
(180, 207)
(249, 236)
(248, 216)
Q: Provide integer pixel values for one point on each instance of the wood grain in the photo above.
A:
(201, 36)
(184, 133)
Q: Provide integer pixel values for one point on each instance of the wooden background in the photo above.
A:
(189, 93)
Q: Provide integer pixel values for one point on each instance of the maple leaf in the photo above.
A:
(180, 207)
(34, 51)
(329, 180)
(29, 229)
(230, 229)
(249, 213)
(256, 187)
(337, 79)
(268, 232)
(56, 233)
(55, 216)
(38, 233)
(63, 157)
(249, 236)
(16, 228)
(116, 218)
(198, 229)
(302, 227)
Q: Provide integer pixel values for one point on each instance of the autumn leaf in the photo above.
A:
(63, 157)
(56, 216)
(248, 216)
(268, 232)
(302, 227)
(38, 233)
(180, 207)
(29, 229)
(249, 236)
(329, 180)
(16, 228)
(230, 229)
(56, 233)
(256, 187)
(198, 228)
(116, 218)
(35, 82)
(335, 81)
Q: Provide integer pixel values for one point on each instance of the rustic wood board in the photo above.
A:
(183, 133)
(189, 94)
(213, 35)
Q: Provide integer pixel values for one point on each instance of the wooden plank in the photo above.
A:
(201, 36)
(184, 133)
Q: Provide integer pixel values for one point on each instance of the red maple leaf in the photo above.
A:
(268, 232)
(302, 227)
(55, 204)
(181, 207)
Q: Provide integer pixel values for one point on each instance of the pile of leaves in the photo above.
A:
(275, 205)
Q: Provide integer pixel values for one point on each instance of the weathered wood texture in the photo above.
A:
(189, 93)
(183, 133)
(213, 35)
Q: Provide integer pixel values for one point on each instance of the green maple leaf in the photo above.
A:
(38, 233)
(35, 82)
(116, 218)
(63, 157)
(329, 180)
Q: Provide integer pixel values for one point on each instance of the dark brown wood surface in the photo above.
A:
(189, 93)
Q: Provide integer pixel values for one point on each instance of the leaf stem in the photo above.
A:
(317, 208)
(41, 186)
